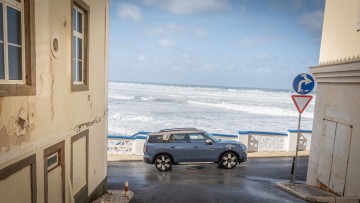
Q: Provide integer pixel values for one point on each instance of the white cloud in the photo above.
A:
(174, 29)
(265, 56)
(167, 43)
(247, 41)
(142, 57)
(128, 11)
(168, 29)
(312, 21)
(189, 7)
(200, 32)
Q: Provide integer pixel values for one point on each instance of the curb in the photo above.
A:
(314, 194)
(115, 196)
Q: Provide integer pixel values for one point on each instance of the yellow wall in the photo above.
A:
(333, 161)
(56, 113)
(340, 38)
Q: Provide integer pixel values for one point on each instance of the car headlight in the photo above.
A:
(243, 147)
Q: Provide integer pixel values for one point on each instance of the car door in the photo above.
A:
(201, 151)
(178, 146)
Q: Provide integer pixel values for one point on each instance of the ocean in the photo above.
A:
(135, 107)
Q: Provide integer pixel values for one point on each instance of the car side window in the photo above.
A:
(197, 138)
(178, 138)
(156, 139)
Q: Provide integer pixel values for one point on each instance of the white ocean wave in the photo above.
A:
(262, 110)
(120, 97)
(151, 107)
(120, 117)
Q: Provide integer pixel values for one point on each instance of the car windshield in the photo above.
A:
(212, 137)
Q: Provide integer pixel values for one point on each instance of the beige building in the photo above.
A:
(335, 148)
(53, 100)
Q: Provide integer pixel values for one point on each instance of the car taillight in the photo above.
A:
(145, 148)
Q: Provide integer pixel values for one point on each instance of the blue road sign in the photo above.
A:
(303, 83)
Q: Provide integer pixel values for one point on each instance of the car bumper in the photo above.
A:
(148, 159)
(244, 157)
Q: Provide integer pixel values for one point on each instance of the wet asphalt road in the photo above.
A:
(252, 181)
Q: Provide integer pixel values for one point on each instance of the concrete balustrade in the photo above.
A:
(256, 141)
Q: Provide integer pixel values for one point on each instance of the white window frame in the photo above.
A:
(19, 6)
(80, 36)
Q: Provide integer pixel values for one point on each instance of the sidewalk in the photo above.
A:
(115, 196)
(314, 194)
(131, 157)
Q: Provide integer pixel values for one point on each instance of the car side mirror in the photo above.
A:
(209, 142)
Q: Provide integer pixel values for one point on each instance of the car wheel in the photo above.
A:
(163, 162)
(228, 160)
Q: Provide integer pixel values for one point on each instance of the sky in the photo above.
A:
(235, 43)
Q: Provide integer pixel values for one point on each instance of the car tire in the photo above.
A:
(228, 160)
(163, 162)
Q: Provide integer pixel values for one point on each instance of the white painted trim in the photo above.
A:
(337, 73)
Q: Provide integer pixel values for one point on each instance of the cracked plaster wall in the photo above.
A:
(55, 109)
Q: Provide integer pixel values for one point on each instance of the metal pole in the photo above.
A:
(297, 147)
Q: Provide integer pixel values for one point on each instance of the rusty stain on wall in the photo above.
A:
(52, 89)
(89, 102)
(4, 139)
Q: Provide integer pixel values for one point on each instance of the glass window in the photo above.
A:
(2, 67)
(15, 70)
(79, 51)
(197, 138)
(156, 139)
(17, 48)
(77, 46)
(178, 138)
(12, 67)
(14, 26)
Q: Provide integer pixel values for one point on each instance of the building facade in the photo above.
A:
(334, 162)
(53, 100)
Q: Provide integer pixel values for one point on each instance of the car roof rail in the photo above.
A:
(178, 129)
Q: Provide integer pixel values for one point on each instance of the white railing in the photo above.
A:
(256, 141)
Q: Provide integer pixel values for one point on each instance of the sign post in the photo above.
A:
(302, 84)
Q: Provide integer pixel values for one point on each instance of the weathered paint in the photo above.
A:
(31, 123)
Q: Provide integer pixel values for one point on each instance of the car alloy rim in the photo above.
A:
(229, 160)
(162, 163)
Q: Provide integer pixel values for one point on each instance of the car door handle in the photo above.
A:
(196, 147)
(172, 147)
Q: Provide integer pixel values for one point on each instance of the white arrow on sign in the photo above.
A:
(301, 101)
(305, 80)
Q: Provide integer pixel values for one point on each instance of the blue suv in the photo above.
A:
(178, 145)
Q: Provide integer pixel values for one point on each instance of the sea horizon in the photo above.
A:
(209, 86)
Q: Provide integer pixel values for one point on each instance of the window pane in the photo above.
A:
(74, 70)
(74, 47)
(14, 26)
(74, 19)
(2, 68)
(80, 19)
(79, 71)
(1, 23)
(15, 70)
(79, 48)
